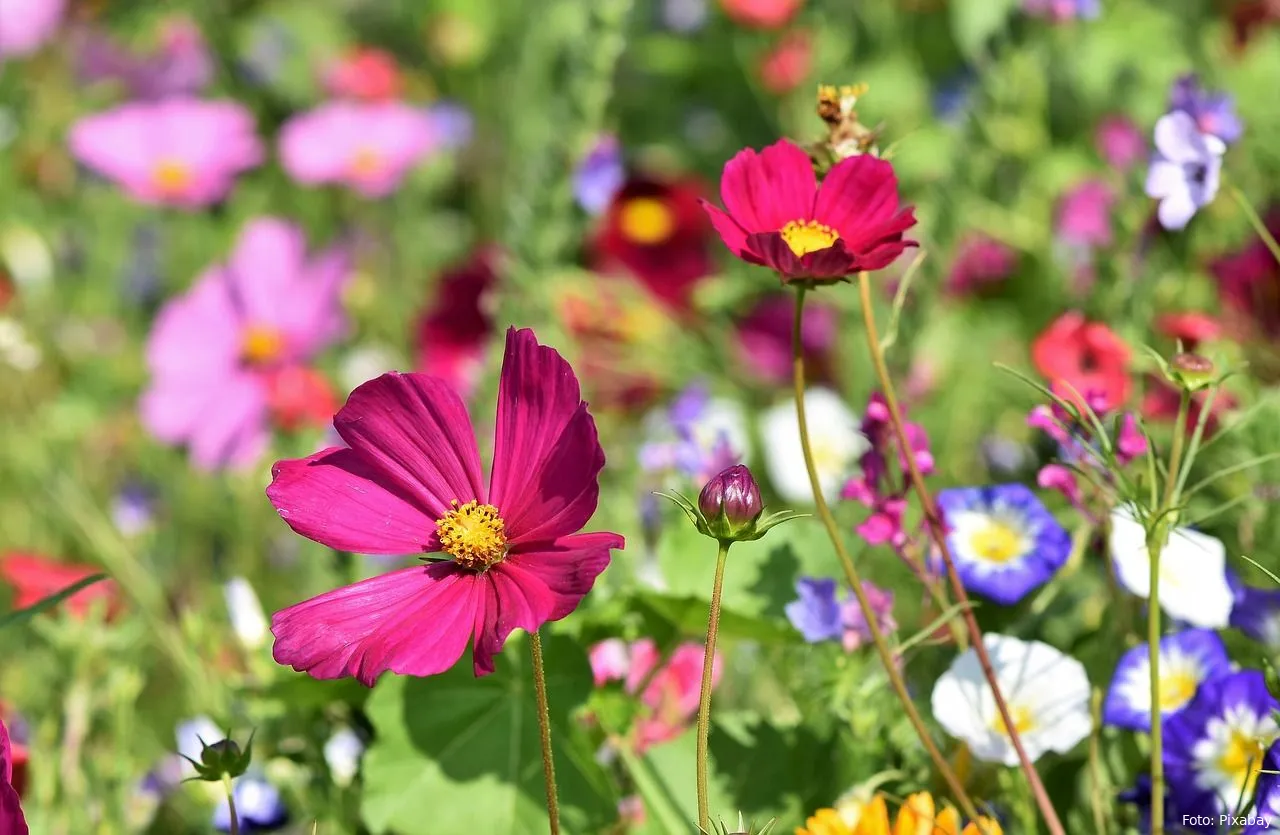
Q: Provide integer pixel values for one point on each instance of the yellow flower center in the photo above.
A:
(261, 344)
(1241, 760)
(997, 542)
(646, 221)
(366, 162)
(805, 236)
(473, 534)
(171, 177)
(1176, 689)
(1023, 721)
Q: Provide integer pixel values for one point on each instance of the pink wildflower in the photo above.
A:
(764, 340)
(25, 25)
(410, 482)
(1084, 215)
(12, 821)
(672, 692)
(176, 152)
(980, 262)
(216, 353)
(1120, 142)
(366, 146)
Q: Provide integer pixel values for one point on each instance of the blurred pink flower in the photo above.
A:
(1120, 142)
(980, 261)
(761, 14)
(218, 354)
(857, 632)
(672, 692)
(370, 74)
(178, 152)
(1084, 215)
(764, 339)
(25, 25)
(366, 146)
(181, 65)
(12, 821)
(787, 63)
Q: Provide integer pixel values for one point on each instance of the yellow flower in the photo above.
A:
(917, 816)
(825, 822)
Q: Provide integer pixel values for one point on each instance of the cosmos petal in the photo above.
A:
(511, 598)
(568, 566)
(764, 191)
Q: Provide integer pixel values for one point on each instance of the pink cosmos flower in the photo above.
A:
(672, 692)
(25, 25)
(1084, 215)
(366, 146)
(776, 215)
(1120, 142)
(222, 354)
(410, 482)
(12, 821)
(177, 152)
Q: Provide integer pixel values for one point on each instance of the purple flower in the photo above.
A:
(856, 631)
(1214, 113)
(816, 614)
(1063, 10)
(453, 123)
(1266, 809)
(599, 176)
(1184, 174)
(27, 25)
(696, 436)
(1120, 142)
(1187, 660)
(1084, 215)
(1256, 613)
(181, 66)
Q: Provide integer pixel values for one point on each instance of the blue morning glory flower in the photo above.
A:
(258, 806)
(1266, 809)
(1005, 543)
(1256, 613)
(817, 614)
(1215, 745)
(1214, 113)
(1187, 660)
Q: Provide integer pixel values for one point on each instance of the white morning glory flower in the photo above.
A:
(837, 440)
(1193, 574)
(247, 618)
(1187, 660)
(1185, 172)
(342, 754)
(1047, 693)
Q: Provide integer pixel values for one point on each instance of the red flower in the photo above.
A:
(34, 578)
(764, 340)
(370, 74)
(786, 66)
(776, 215)
(455, 328)
(761, 14)
(299, 396)
(1162, 398)
(1085, 356)
(655, 231)
(1249, 284)
(1190, 327)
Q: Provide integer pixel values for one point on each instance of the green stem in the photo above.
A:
(231, 805)
(855, 581)
(704, 700)
(1156, 539)
(544, 730)
(1256, 223)
(938, 532)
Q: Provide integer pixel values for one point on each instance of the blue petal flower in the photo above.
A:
(599, 176)
(1004, 541)
(1266, 809)
(258, 807)
(1256, 613)
(1214, 113)
(817, 613)
(1187, 660)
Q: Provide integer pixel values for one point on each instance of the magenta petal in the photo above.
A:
(859, 193)
(415, 622)
(12, 821)
(513, 599)
(264, 269)
(764, 191)
(338, 499)
(775, 254)
(415, 429)
(568, 566)
(730, 231)
(546, 455)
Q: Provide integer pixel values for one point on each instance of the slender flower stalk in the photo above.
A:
(704, 700)
(855, 581)
(1156, 537)
(939, 534)
(1256, 222)
(544, 730)
(231, 805)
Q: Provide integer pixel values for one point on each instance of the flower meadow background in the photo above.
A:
(220, 218)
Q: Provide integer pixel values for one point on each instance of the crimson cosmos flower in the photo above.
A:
(411, 483)
(777, 215)
(456, 326)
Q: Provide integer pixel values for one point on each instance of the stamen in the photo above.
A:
(473, 534)
(805, 236)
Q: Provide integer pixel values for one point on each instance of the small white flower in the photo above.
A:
(1193, 576)
(366, 362)
(1047, 693)
(27, 255)
(16, 349)
(342, 754)
(834, 434)
(247, 618)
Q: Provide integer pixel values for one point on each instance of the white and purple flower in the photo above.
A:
(1004, 541)
(1187, 660)
(697, 435)
(1214, 113)
(1185, 172)
(599, 176)
(820, 616)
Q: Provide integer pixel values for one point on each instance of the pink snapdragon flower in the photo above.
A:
(222, 355)
(177, 152)
(26, 25)
(671, 695)
(366, 146)
(506, 553)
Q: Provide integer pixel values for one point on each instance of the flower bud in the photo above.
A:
(731, 502)
(221, 759)
(1271, 678)
(1191, 371)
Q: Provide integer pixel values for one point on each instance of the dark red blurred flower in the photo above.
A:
(34, 577)
(761, 14)
(1249, 285)
(1251, 16)
(787, 63)
(1161, 400)
(1190, 327)
(764, 340)
(655, 230)
(299, 396)
(1073, 353)
(980, 262)
(457, 325)
(777, 216)
(369, 74)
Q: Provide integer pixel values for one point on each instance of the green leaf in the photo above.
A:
(688, 618)
(463, 752)
(975, 22)
(22, 615)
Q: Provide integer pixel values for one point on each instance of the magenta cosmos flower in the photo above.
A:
(25, 25)
(411, 483)
(177, 152)
(220, 354)
(776, 215)
(366, 146)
